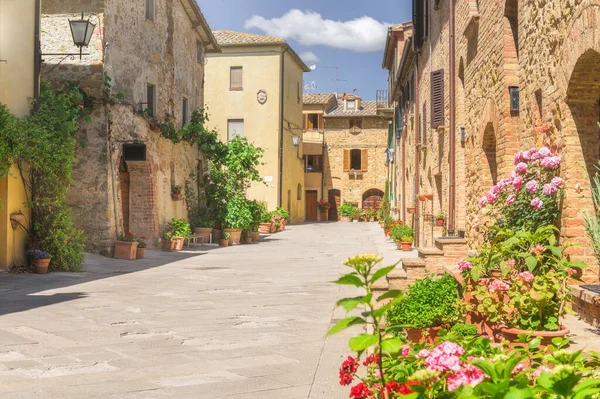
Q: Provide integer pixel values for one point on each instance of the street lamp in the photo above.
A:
(81, 30)
(295, 140)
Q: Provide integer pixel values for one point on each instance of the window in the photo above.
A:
(235, 78)
(355, 124)
(151, 100)
(313, 122)
(235, 127)
(351, 104)
(357, 160)
(150, 10)
(312, 163)
(299, 195)
(437, 98)
(184, 111)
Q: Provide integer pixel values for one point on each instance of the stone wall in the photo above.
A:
(373, 138)
(134, 52)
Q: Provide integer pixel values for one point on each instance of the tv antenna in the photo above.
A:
(337, 79)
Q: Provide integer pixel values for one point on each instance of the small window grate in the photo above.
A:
(134, 152)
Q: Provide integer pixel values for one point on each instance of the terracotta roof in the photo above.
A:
(227, 37)
(315, 98)
(367, 108)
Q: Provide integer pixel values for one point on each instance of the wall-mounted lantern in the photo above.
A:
(295, 140)
(463, 135)
(81, 32)
(514, 98)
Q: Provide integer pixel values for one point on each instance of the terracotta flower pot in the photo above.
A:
(406, 246)
(176, 196)
(512, 334)
(345, 219)
(324, 216)
(411, 210)
(427, 335)
(439, 222)
(203, 232)
(484, 326)
(248, 240)
(17, 220)
(168, 245)
(140, 253)
(255, 236)
(381, 224)
(125, 250)
(178, 243)
(273, 228)
(264, 228)
(41, 265)
(224, 243)
(235, 235)
(283, 224)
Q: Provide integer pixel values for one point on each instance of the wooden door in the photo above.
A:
(334, 200)
(124, 180)
(372, 199)
(311, 205)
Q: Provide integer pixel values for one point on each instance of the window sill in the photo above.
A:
(236, 89)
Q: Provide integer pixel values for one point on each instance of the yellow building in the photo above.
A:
(254, 89)
(18, 84)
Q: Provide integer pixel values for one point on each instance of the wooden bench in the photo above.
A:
(193, 239)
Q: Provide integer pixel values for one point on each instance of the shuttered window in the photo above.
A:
(424, 130)
(321, 122)
(437, 98)
(235, 127)
(235, 78)
(364, 160)
(356, 160)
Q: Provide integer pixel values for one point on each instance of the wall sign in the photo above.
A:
(261, 96)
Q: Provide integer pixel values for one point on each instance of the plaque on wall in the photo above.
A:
(261, 96)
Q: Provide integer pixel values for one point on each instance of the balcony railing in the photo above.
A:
(382, 98)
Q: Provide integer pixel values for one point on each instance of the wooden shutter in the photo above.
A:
(364, 160)
(437, 98)
(235, 78)
(321, 124)
(346, 160)
(305, 122)
(424, 132)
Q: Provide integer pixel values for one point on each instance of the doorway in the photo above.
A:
(334, 200)
(311, 205)
(124, 184)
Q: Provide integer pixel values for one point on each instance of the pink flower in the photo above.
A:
(510, 199)
(538, 249)
(549, 189)
(517, 183)
(423, 353)
(578, 188)
(449, 348)
(468, 375)
(544, 152)
(464, 265)
(475, 223)
(519, 158)
(532, 152)
(510, 263)
(550, 162)
(502, 184)
(518, 368)
(405, 351)
(482, 201)
(536, 203)
(491, 198)
(532, 186)
(444, 357)
(498, 286)
(494, 190)
(572, 271)
(525, 277)
(521, 168)
(556, 181)
(540, 370)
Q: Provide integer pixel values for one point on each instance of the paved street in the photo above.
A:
(240, 322)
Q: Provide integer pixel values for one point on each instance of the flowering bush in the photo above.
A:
(142, 242)
(400, 232)
(323, 206)
(126, 237)
(530, 197)
(37, 254)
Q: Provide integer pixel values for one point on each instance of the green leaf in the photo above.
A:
(347, 322)
(350, 279)
(391, 345)
(381, 272)
(348, 303)
(390, 294)
(362, 342)
(516, 393)
(487, 367)
(531, 263)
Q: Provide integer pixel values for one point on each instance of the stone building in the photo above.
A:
(254, 89)
(154, 53)
(345, 140)
(516, 75)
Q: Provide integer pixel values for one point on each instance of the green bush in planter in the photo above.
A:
(401, 232)
(257, 210)
(201, 217)
(282, 212)
(238, 215)
(179, 228)
(347, 210)
(429, 302)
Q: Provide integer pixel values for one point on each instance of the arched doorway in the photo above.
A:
(371, 199)
(334, 197)
(489, 152)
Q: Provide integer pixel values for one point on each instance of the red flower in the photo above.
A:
(371, 359)
(347, 371)
(360, 391)
(144, 238)
(405, 389)
(130, 234)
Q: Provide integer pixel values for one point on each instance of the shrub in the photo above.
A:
(401, 232)
(179, 228)
(238, 214)
(592, 222)
(347, 210)
(429, 302)
(464, 330)
(281, 212)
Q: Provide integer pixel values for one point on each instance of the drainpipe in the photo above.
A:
(36, 50)
(281, 109)
(452, 135)
(417, 153)
(403, 171)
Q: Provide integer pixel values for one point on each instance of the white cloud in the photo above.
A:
(309, 57)
(308, 28)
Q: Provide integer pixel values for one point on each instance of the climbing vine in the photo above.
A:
(42, 146)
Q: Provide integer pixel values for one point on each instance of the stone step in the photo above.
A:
(429, 252)
(397, 279)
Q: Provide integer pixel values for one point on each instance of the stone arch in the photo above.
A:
(489, 160)
(372, 198)
(143, 217)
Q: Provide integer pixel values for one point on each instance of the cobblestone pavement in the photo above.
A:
(240, 322)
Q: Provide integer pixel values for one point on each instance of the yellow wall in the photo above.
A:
(17, 25)
(262, 122)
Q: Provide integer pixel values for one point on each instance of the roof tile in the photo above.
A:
(225, 37)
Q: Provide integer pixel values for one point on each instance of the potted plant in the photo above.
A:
(440, 218)
(411, 210)
(402, 235)
(406, 243)
(356, 213)
(176, 194)
(429, 304)
(257, 210)
(40, 260)
(168, 241)
(180, 229)
(425, 197)
(284, 216)
(125, 247)
(323, 210)
(346, 212)
(247, 236)
(224, 241)
(237, 218)
(265, 222)
(203, 222)
(17, 220)
(141, 248)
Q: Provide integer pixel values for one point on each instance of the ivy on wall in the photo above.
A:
(42, 146)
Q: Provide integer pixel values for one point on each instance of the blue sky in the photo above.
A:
(348, 34)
